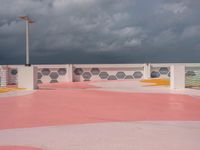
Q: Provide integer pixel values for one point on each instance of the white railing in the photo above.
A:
(88, 72)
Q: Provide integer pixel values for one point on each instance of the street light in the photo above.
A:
(28, 21)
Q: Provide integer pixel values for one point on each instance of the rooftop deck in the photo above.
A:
(107, 115)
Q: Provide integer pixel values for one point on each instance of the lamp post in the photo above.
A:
(27, 21)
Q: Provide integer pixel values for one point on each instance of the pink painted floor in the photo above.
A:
(62, 105)
(18, 148)
(71, 85)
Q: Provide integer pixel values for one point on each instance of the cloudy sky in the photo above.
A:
(101, 31)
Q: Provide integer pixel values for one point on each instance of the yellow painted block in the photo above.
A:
(157, 82)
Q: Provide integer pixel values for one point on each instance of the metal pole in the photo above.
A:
(27, 44)
(28, 21)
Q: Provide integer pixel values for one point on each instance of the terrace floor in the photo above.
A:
(114, 115)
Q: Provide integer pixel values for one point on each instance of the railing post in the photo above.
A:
(70, 73)
(177, 79)
(3, 74)
(147, 71)
(27, 77)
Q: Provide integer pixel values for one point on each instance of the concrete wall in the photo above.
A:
(11, 73)
(192, 76)
(80, 72)
(107, 72)
(53, 73)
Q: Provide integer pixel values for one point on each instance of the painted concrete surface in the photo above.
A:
(49, 86)
(109, 136)
(139, 87)
(101, 115)
(61, 106)
(16, 93)
(67, 85)
(18, 148)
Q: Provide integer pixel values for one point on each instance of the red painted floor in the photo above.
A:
(67, 106)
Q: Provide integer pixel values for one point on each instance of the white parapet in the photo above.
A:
(27, 77)
(177, 79)
(147, 71)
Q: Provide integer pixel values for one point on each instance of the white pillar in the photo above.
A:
(27, 77)
(147, 71)
(3, 81)
(70, 73)
(177, 79)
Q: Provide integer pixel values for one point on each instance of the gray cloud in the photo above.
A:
(101, 31)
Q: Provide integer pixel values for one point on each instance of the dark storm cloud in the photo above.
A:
(101, 31)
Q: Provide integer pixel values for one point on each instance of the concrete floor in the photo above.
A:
(109, 136)
(125, 115)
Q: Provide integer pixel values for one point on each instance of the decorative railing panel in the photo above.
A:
(192, 77)
(95, 74)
